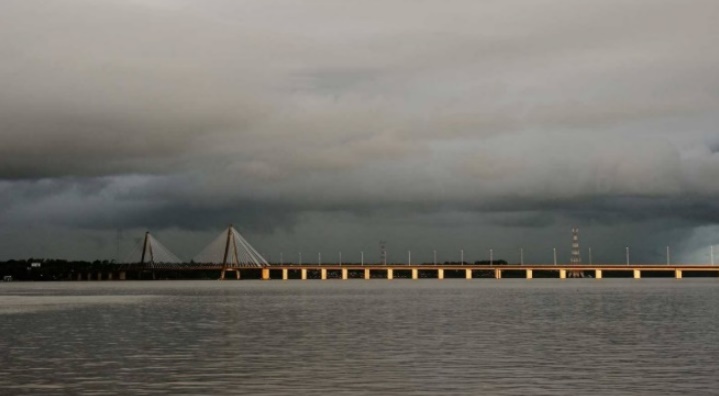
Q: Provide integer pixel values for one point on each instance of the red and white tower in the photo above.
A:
(576, 257)
(576, 253)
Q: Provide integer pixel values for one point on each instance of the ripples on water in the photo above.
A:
(427, 337)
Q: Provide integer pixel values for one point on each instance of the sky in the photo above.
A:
(329, 126)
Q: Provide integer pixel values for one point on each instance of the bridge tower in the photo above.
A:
(154, 254)
(230, 260)
(148, 254)
(232, 252)
(146, 248)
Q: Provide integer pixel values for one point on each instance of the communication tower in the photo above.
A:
(576, 257)
(576, 253)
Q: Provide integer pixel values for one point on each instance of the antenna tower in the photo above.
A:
(576, 257)
(576, 253)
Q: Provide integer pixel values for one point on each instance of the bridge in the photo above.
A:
(344, 271)
(230, 253)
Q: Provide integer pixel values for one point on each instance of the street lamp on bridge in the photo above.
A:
(627, 251)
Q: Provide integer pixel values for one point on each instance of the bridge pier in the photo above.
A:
(390, 273)
(323, 273)
(265, 274)
(285, 274)
(440, 273)
(415, 273)
(222, 274)
(529, 274)
(562, 274)
(345, 274)
(497, 273)
(637, 274)
(367, 274)
(678, 274)
(598, 274)
(468, 274)
(303, 271)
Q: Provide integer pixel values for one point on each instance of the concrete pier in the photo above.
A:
(637, 274)
(562, 274)
(367, 274)
(223, 273)
(440, 273)
(285, 274)
(529, 274)
(678, 274)
(345, 274)
(468, 274)
(265, 274)
(415, 273)
(598, 274)
(323, 273)
(390, 274)
(303, 272)
(497, 273)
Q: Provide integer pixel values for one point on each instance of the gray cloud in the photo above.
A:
(526, 115)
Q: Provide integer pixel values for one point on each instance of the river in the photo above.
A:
(355, 337)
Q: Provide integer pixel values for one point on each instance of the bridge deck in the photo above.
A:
(400, 267)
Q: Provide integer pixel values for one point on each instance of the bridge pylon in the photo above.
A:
(230, 260)
(154, 254)
(148, 254)
(236, 253)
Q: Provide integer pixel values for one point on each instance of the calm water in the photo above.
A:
(427, 337)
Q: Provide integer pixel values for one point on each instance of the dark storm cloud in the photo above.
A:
(522, 114)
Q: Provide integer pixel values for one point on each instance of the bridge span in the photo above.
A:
(415, 272)
(471, 271)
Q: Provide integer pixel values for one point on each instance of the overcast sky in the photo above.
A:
(332, 125)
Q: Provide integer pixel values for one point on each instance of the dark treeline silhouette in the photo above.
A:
(58, 270)
(51, 269)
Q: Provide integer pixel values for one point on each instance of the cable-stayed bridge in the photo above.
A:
(230, 252)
